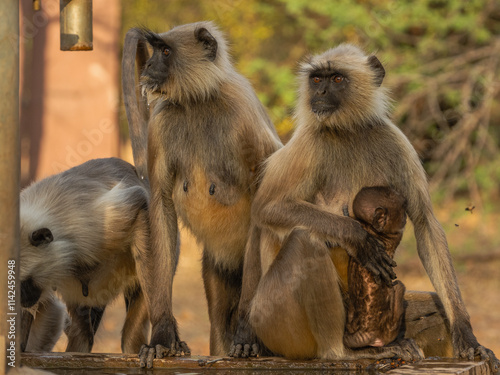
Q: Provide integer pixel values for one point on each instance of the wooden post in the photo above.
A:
(9, 185)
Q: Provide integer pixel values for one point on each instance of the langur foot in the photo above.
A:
(244, 350)
(148, 353)
(465, 346)
(407, 350)
(245, 343)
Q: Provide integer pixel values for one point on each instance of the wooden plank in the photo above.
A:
(443, 366)
(54, 361)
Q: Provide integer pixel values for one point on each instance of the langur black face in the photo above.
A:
(176, 53)
(30, 290)
(328, 87)
(157, 67)
(331, 87)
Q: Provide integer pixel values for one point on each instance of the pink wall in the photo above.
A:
(70, 100)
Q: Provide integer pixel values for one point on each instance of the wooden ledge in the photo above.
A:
(55, 361)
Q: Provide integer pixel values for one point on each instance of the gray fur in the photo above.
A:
(43, 325)
(97, 217)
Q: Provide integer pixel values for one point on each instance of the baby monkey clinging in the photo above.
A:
(374, 310)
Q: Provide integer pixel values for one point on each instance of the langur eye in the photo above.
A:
(337, 78)
(316, 79)
(166, 51)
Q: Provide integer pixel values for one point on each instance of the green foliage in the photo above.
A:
(439, 56)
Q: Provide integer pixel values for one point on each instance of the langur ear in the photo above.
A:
(41, 236)
(377, 68)
(209, 42)
(380, 219)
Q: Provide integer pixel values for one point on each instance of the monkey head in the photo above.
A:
(188, 63)
(382, 208)
(341, 88)
(49, 250)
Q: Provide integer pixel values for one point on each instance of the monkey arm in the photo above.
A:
(433, 251)
(286, 214)
(156, 272)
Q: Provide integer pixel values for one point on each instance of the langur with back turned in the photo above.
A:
(344, 141)
(208, 135)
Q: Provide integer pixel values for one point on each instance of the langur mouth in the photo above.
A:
(30, 293)
(152, 92)
(321, 107)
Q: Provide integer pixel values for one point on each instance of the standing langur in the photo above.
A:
(81, 231)
(374, 310)
(343, 142)
(208, 135)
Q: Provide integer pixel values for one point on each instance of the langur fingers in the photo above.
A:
(184, 348)
(483, 353)
(387, 276)
(375, 273)
(255, 350)
(161, 351)
(146, 356)
(487, 355)
(246, 351)
(143, 354)
(236, 350)
(380, 272)
(387, 259)
(469, 354)
(173, 349)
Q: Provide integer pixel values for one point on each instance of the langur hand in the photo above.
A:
(164, 343)
(371, 254)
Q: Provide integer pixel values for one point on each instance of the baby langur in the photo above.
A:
(80, 232)
(375, 311)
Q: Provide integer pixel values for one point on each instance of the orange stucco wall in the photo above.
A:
(69, 111)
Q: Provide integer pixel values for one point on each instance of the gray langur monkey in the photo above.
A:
(81, 231)
(207, 137)
(344, 141)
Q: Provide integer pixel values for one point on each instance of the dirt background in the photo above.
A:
(478, 276)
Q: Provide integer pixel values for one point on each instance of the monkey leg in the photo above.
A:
(84, 323)
(51, 317)
(245, 342)
(298, 310)
(394, 325)
(26, 323)
(380, 322)
(222, 288)
(136, 326)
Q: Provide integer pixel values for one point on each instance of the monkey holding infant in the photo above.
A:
(344, 141)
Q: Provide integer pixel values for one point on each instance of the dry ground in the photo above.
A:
(479, 281)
